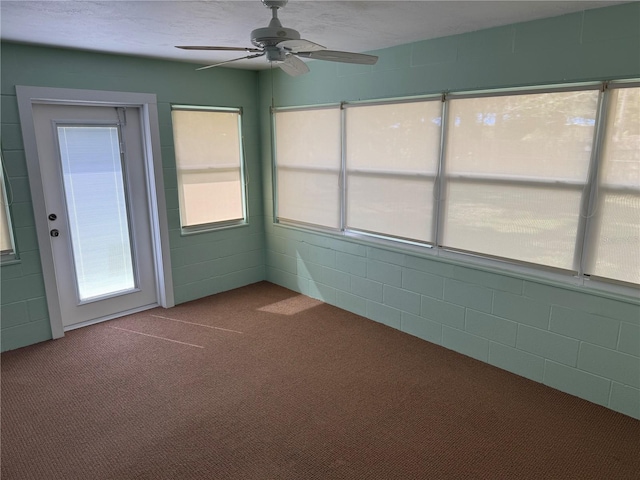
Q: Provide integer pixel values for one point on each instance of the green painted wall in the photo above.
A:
(202, 264)
(579, 342)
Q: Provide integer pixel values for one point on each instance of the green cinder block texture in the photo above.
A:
(383, 314)
(421, 327)
(516, 361)
(491, 327)
(548, 345)
(576, 382)
(401, 299)
(465, 343)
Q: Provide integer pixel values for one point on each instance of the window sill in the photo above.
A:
(212, 227)
(9, 259)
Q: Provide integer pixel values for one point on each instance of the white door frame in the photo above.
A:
(27, 96)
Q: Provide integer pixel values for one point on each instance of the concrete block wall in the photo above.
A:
(583, 344)
(580, 341)
(202, 264)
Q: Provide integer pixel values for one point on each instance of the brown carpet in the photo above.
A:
(286, 387)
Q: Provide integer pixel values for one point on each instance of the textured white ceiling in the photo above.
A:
(153, 28)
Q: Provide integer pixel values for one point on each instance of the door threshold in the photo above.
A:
(110, 317)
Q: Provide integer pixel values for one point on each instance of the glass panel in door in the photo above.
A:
(94, 190)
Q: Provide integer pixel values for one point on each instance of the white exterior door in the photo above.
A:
(94, 181)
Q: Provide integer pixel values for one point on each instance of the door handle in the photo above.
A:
(54, 232)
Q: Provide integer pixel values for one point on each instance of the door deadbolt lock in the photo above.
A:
(52, 216)
(54, 232)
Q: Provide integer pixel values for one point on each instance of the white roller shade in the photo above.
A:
(5, 235)
(208, 160)
(516, 166)
(615, 233)
(392, 159)
(308, 160)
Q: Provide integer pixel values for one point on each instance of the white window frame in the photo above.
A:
(225, 224)
(390, 174)
(11, 254)
(275, 167)
(576, 276)
(595, 186)
(586, 187)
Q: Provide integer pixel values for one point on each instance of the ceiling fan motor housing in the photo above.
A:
(275, 32)
(270, 36)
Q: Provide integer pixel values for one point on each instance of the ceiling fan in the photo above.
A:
(282, 46)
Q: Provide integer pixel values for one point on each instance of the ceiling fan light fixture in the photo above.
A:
(275, 54)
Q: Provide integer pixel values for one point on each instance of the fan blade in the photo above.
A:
(301, 45)
(232, 60)
(345, 57)
(293, 66)
(225, 49)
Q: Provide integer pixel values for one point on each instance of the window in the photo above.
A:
(95, 196)
(616, 220)
(308, 152)
(516, 167)
(208, 146)
(6, 236)
(392, 160)
(537, 177)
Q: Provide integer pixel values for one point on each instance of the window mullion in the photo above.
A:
(274, 165)
(589, 195)
(343, 168)
(439, 186)
(244, 170)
